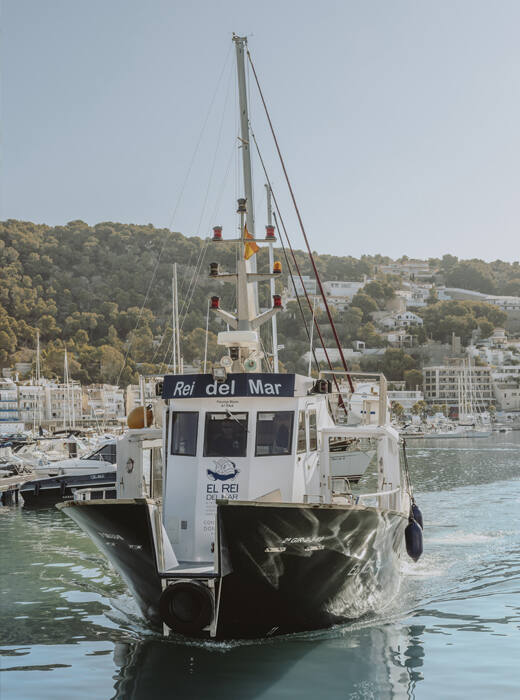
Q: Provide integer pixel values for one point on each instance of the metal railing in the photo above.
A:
(95, 494)
(346, 394)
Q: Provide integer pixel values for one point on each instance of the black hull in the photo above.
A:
(52, 489)
(296, 568)
(281, 568)
(123, 531)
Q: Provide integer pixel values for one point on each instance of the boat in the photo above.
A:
(58, 480)
(230, 521)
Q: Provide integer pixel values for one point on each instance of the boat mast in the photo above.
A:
(176, 336)
(37, 356)
(271, 265)
(66, 405)
(174, 340)
(243, 340)
(250, 265)
(38, 379)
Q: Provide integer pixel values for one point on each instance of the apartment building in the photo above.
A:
(103, 401)
(409, 269)
(9, 408)
(443, 384)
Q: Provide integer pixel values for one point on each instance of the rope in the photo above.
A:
(407, 473)
(331, 321)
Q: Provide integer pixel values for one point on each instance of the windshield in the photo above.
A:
(107, 453)
(225, 435)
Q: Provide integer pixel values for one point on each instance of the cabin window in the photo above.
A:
(184, 433)
(302, 437)
(274, 433)
(225, 435)
(313, 431)
(106, 454)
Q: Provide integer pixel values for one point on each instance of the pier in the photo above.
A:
(10, 488)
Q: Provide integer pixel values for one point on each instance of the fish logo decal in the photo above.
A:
(224, 469)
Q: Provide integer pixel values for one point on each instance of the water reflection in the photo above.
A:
(73, 631)
(371, 662)
(54, 584)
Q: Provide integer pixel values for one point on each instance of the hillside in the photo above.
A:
(85, 287)
(104, 292)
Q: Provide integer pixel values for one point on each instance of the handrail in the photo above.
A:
(354, 374)
(379, 493)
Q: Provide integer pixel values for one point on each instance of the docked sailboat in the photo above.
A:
(236, 525)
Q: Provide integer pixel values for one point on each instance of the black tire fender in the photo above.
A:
(200, 604)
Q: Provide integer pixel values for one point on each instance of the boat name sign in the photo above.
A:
(191, 386)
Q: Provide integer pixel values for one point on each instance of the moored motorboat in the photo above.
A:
(59, 480)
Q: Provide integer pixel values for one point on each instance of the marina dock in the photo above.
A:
(10, 488)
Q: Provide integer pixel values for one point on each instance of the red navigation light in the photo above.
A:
(215, 302)
(277, 301)
(217, 233)
(277, 267)
(269, 232)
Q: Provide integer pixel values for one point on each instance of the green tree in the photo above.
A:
(397, 410)
(413, 378)
(365, 303)
(419, 408)
(471, 274)
(486, 328)
(110, 363)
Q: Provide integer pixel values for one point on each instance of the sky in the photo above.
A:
(398, 119)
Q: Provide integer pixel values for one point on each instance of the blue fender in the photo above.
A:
(414, 539)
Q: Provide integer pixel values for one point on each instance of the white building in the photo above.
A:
(403, 319)
(10, 421)
(103, 402)
(33, 404)
(341, 292)
(406, 398)
(490, 355)
(443, 384)
(506, 373)
(399, 338)
(59, 404)
(415, 296)
(507, 395)
(64, 403)
(133, 396)
(297, 287)
(409, 269)
(506, 303)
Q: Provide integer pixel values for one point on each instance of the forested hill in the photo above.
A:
(104, 292)
(85, 287)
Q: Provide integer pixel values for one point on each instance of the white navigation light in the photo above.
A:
(219, 374)
(226, 361)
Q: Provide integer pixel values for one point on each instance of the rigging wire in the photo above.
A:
(212, 169)
(311, 256)
(295, 262)
(174, 214)
(297, 295)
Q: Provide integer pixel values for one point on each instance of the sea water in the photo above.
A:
(69, 629)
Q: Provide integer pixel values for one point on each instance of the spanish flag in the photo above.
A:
(250, 247)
